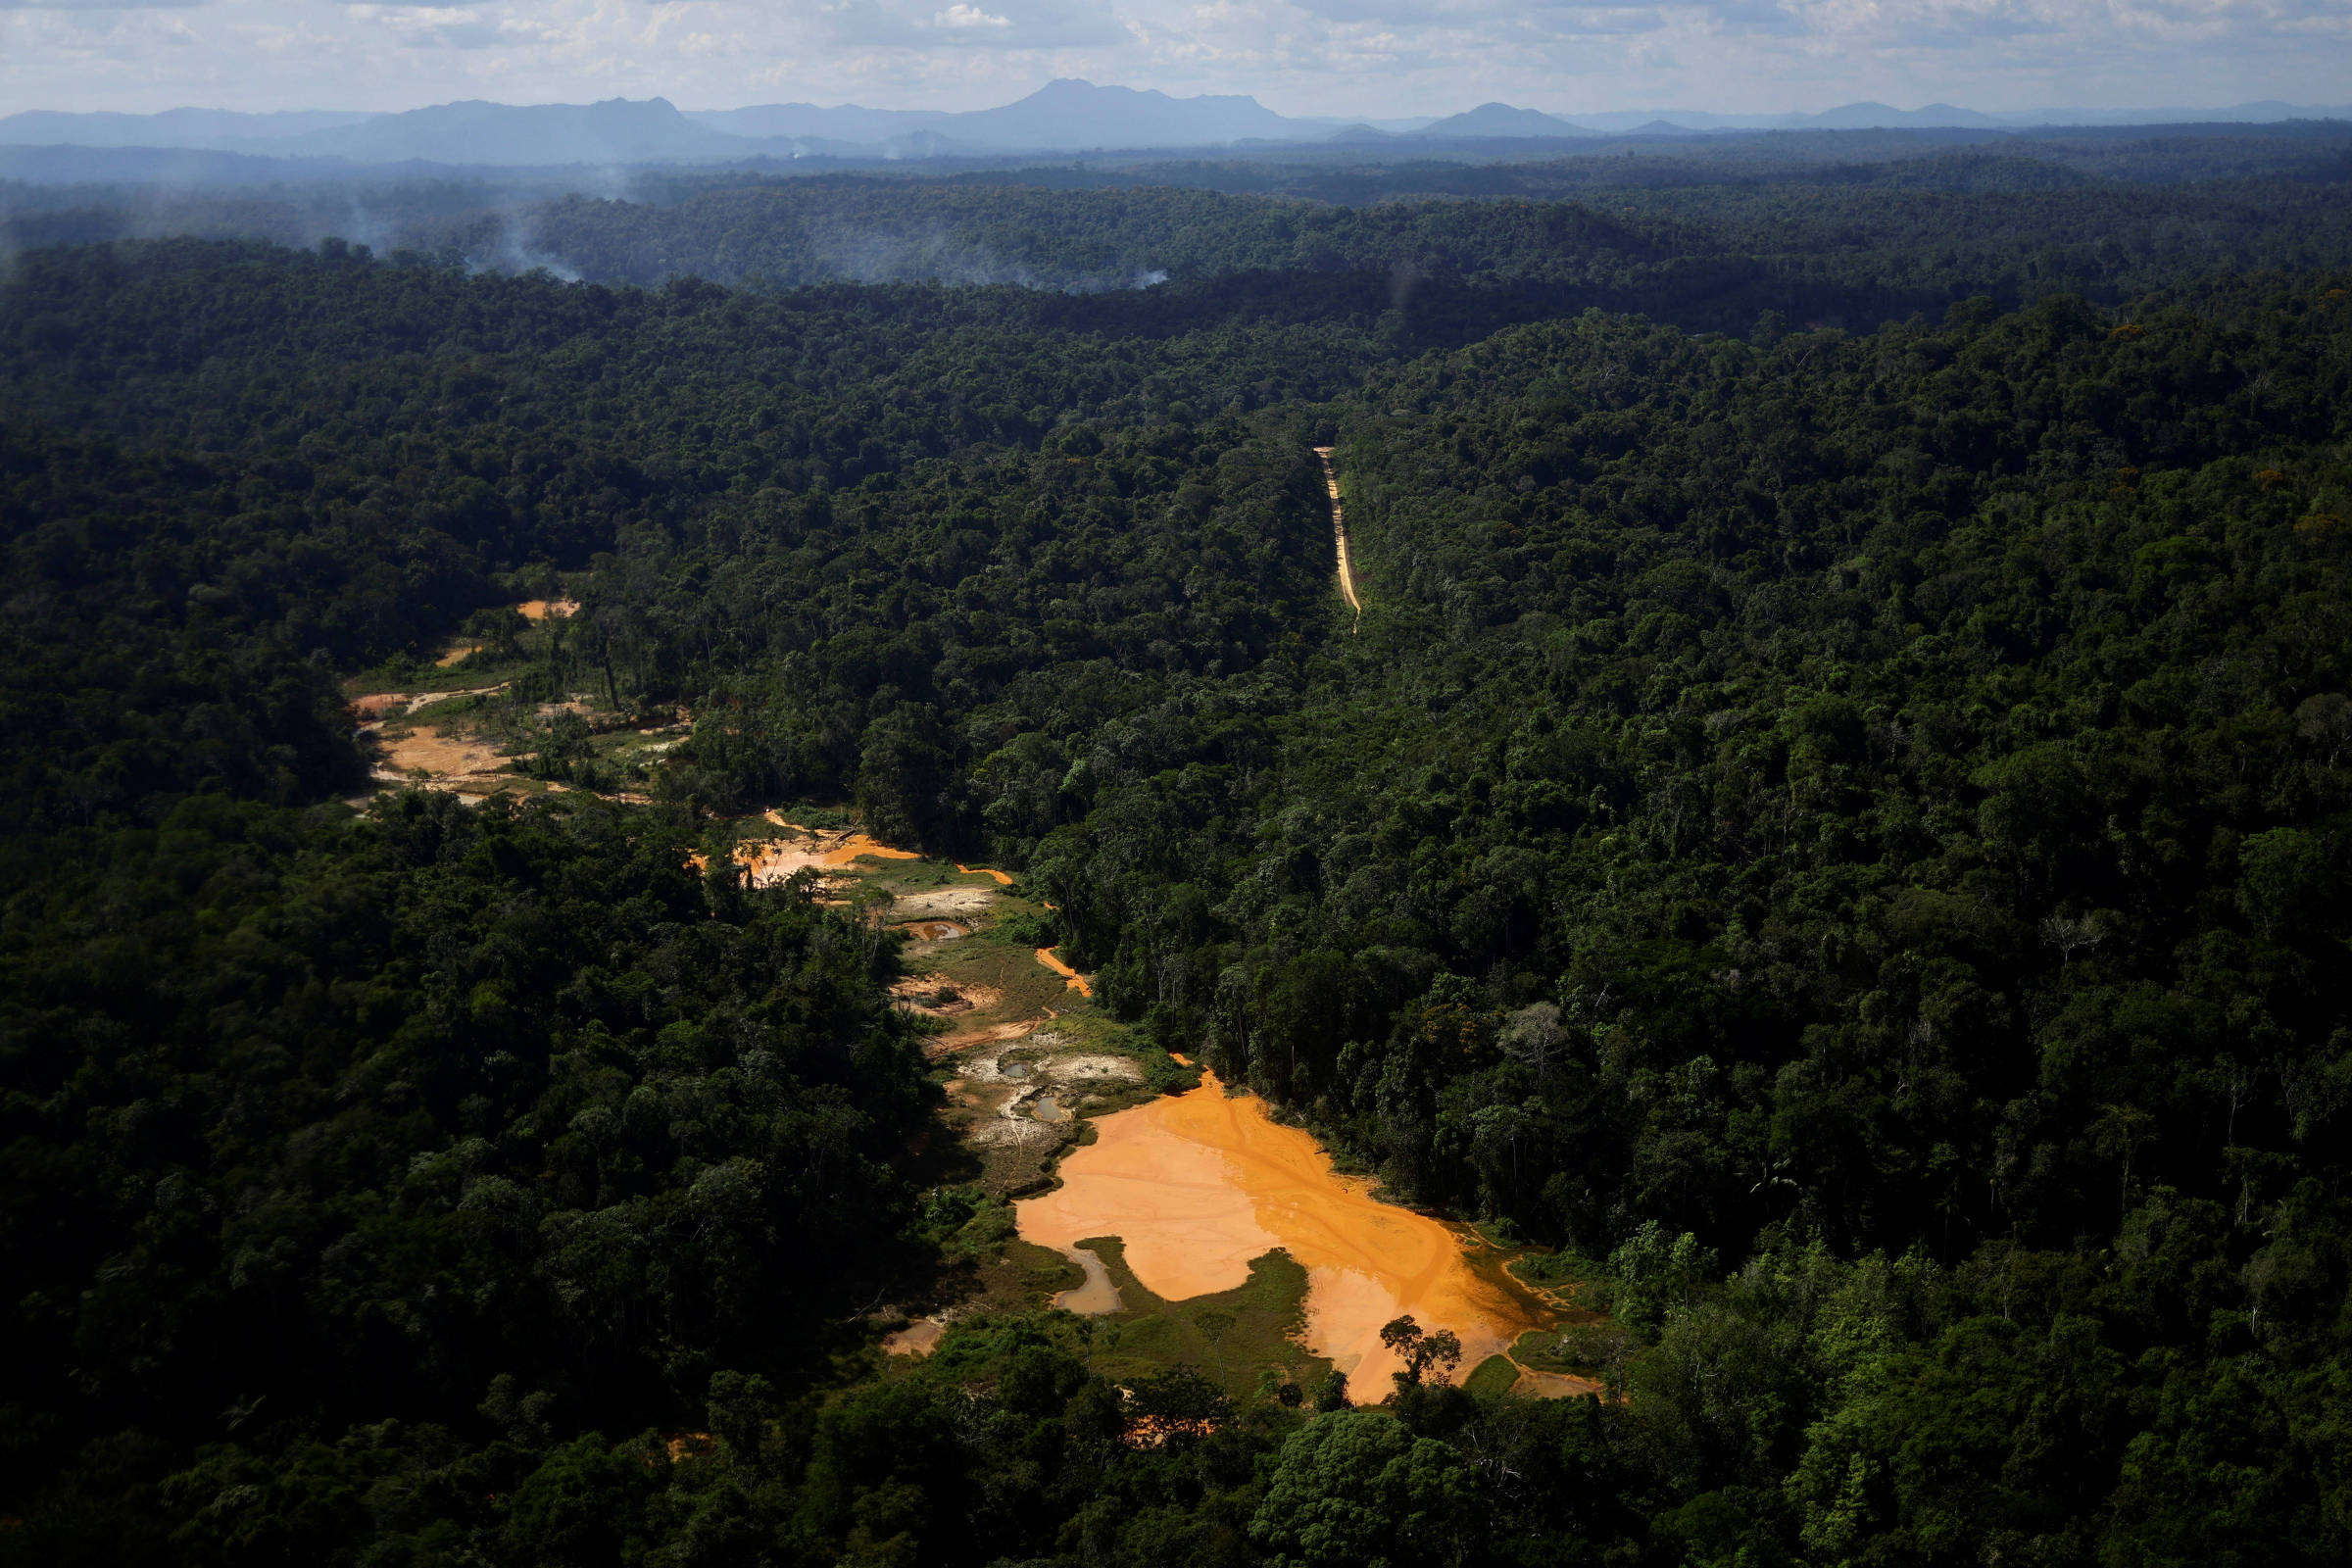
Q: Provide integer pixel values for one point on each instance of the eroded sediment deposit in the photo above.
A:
(773, 861)
(1196, 1185)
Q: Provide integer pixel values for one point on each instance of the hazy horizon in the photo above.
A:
(1345, 59)
(687, 105)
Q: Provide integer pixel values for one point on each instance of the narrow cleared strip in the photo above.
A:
(1338, 531)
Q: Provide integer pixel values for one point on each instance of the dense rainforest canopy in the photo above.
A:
(1833, 822)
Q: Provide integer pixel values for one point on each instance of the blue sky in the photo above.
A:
(1301, 57)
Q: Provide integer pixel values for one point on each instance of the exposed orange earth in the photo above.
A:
(1072, 980)
(444, 756)
(1003, 880)
(775, 859)
(541, 609)
(1198, 1184)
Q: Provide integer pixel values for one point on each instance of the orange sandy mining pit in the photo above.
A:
(775, 859)
(1198, 1184)
(444, 755)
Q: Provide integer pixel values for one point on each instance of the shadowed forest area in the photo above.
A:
(1829, 841)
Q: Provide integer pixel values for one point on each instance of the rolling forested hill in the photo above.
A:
(1831, 829)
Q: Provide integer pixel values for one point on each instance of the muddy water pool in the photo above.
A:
(1198, 1184)
(1097, 1295)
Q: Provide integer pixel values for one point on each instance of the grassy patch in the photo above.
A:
(1567, 1279)
(1024, 928)
(992, 1268)
(446, 711)
(1028, 987)
(1240, 1335)
(1493, 1376)
(903, 877)
(1581, 1350)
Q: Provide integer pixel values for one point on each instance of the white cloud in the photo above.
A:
(99, 5)
(1020, 25)
(432, 27)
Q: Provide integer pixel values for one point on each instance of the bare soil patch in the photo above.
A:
(442, 754)
(1552, 1385)
(773, 861)
(916, 994)
(1082, 1071)
(945, 903)
(989, 1034)
(919, 1338)
(1016, 1101)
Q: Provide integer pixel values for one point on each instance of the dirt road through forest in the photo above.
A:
(1338, 531)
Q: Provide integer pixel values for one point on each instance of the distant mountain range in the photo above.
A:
(1502, 121)
(1063, 116)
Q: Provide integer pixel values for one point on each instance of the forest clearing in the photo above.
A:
(1198, 1187)
(424, 728)
(1194, 1189)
